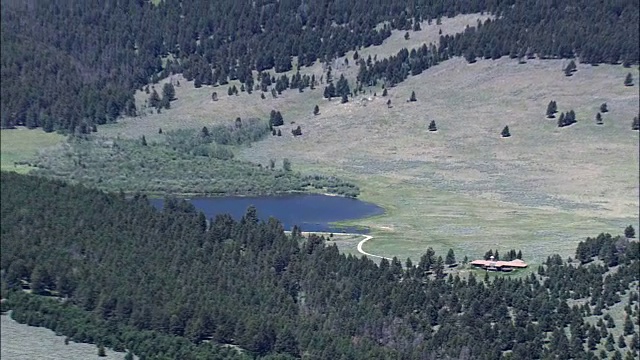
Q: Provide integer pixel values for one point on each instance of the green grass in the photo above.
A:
(21, 145)
(540, 191)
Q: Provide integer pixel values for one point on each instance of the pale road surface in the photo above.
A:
(360, 244)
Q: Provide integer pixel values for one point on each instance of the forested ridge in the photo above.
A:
(114, 271)
(65, 64)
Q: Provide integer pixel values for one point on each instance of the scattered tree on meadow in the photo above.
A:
(413, 96)
(635, 125)
(406, 35)
(389, 103)
(279, 132)
(275, 118)
(286, 164)
(384, 92)
(552, 109)
(101, 351)
(297, 131)
(204, 132)
(168, 92)
(505, 132)
(144, 141)
(571, 68)
(214, 96)
(344, 99)
(154, 99)
(238, 123)
(599, 119)
(316, 110)
(568, 119)
(329, 91)
(432, 126)
(604, 108)
(628, 81)
(629, 232)
(159, 130)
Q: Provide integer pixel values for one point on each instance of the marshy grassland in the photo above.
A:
(541, 191)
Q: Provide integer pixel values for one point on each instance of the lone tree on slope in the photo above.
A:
(629, 232)
(413, 96)
(505, 132)
(604, 108)
(636, 124)
(598, 119)
(432, 126)
(628, 81)
(552, 109)
(316, 110)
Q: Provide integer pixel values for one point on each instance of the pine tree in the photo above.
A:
(384, 92)
(628, 326)
(570, 69)
(344, 99)
(316, 110)
(635, 125)
(432, 126)
(389, 103)
(451, 258)
(154, 99)
(621, 343)
(552, 109)
(101, 351)
(629, 232)
(505, 132)
(168, 92)
(598, 119)
(628, 81)
(603, 108)
(144, 141)
(129, 356)
(413, 96)
(406, 35)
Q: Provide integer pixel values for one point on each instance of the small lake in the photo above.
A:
(311, 212)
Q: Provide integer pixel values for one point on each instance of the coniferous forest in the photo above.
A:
(71, 65)
(172, 284)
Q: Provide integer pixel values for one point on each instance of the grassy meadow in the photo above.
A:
(24, 342)
(463, 187)
(22, 145)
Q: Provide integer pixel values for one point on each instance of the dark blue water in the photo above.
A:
(309, 212)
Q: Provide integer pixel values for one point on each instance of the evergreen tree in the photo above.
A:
(629, 232)
(604, 108)
(621, 343)
(389, 103)
(297, 131)
(154, 99)
(384, 92)
(571, 68)
(101, 351)
(552, 109)
(144, 141)
(413, 96)
(344, 99)
(635, 125)
(451, 258)
(598, 119)
(505, 132)
(432, 126)
(628, 325)
(406, 35)
(286, 164)
(316, 110)
(168, 92)
(628, 80)
(129, 356)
